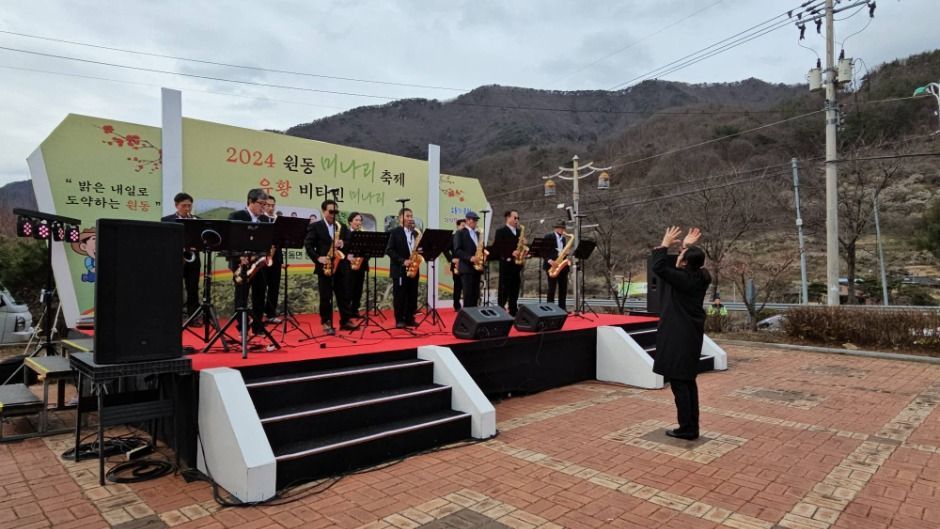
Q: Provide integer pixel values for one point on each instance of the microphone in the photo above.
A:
(484, 211)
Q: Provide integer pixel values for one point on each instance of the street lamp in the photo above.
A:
(574, 175)
(934, 90)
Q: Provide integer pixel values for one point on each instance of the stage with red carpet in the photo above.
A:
(295, 347)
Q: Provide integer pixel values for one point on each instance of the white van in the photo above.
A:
(16, 323)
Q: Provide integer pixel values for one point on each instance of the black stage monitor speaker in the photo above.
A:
(138, 291)
(538, 317)
(474, 323)
(654, 286)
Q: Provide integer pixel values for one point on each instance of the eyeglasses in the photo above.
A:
(331, 211)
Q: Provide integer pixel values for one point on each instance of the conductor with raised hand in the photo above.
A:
(681, 327)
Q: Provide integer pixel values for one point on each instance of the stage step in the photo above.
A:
(337, 453)
(335, 417)
(645, 337)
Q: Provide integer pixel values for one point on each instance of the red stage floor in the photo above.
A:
(359, 342)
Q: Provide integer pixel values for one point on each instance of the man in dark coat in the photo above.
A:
(557, 240)
(467, 241)
(192, 265)
(681, 324)
(452, 259)
(510, 274)
(401, 242)
(253, 212)
(324, 236)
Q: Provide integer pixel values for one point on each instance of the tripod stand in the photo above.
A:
(581, 253)
(289, 232)
(369, 245)
(289, 318)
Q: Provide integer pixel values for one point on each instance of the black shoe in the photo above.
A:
(688, 436)
(399, 325)
(257, 331)
(328, 329)
(348, 326)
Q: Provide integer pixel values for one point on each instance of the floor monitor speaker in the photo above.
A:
(538, 317)
(138, 291)
(654, 286)
(474, 323)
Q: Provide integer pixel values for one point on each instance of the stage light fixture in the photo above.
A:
(58, 231)
(24, 226)
(41, 229)
(72, 233)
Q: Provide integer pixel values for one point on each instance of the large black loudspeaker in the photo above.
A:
(138, 291)
(474, 323)
(654, 292)
(538, 317)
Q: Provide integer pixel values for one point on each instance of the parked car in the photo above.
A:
(16, 323)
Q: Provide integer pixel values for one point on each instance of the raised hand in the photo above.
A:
(671, 236)
(692, 237)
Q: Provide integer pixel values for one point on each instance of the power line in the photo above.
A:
(634, 43)
(137, 83)
(230, 65)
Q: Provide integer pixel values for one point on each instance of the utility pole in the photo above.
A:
(804, 290)
(881, 253)
(832, 168)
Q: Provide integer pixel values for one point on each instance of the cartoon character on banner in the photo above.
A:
(86, 246)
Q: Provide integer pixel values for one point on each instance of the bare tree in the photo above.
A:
(768, 276)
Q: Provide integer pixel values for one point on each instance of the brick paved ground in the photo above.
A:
(791, 439)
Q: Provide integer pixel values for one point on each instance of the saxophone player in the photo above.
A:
(253, 212)
(557, 239)
(323, 243)
(272, 274)
(510, 273)
(191, 262)
(357, 274)
(468, 241)
(401, 243)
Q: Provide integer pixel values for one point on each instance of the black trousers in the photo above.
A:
(470, 285)
(458, 288)
(330, 287)
(560, 284)
(191, 284)
(686, 395)
(257, 287)
(405, 298)
(510, 278)
(354, 281)
(273, 276)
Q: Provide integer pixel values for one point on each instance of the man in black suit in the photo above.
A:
(253, 212)
(452, 259)
(191, 262)
(510, 274)
(272, 274)
(557, 240)
(323, 237)
(401, 242)
(466, 248)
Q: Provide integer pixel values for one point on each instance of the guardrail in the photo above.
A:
(640, 304)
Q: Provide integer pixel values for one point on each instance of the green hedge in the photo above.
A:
(908, 330)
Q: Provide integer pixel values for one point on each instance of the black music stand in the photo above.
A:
(542, 249)
(205, 235)
(433, 244)
(245, 239)
(581, 253)
(370, 245)
(290, 232)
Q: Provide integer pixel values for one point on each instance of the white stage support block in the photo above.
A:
(620, 359)
(710, 348)
(233, 448)
(466, 396)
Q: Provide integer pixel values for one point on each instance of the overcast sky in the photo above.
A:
(447, 47)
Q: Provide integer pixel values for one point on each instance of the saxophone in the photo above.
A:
(243, 273)
(481, 254)
(416, 258)
(356, 262)
(335, 256)
(522, 247)
(562, 261)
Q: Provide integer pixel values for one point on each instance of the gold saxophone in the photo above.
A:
(416, 258)
(481, 254)
(562, 261)
(244, 273)
(356, 262)
(522, 247)
(335, 256)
